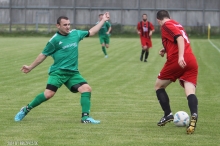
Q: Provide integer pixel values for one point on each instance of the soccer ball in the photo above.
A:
(181, 119)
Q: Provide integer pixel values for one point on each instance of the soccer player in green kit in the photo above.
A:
(104, 35)
(63, 48)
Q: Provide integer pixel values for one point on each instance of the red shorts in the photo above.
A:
(172, 70)
(146, 42)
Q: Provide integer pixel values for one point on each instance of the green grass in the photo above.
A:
(123, 97)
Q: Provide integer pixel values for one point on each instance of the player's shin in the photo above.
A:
(193, 103)
(146, 55)
(35, 102)
(85, 103)
(104, 50)
(164, 101)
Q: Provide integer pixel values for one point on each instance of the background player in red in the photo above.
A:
(145, 29)
(181, 64)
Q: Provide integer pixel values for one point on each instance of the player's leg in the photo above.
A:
(40, 98)
(148, 46)
(52, 85)
(163, 100)
(189, 80)
(107, 41)
(85, 91)
(142, 54)
(143, 44)
(102, 42)
(146, 53)
(78, 84)
(193, 106)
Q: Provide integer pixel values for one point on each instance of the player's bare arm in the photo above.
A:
(181, 46)
(97, 27)
(151, 32)
(40, 58)
(162, 52)
(109, 30)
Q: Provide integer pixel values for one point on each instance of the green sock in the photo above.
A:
(37, 101)
(85, 103)
(104, 50)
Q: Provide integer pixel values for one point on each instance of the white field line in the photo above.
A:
(214, 46)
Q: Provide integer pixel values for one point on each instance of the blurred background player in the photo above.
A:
(181, 64)
(63, 48)
(104, 35)
(145, 29)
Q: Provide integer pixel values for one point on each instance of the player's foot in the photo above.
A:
(145, 60)
(141, 58)
(165, 119)
(192, 124)
(20, 115)
(90, 120)
(106, 56)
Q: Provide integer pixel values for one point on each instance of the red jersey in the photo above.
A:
(171, 30)
(144, 28)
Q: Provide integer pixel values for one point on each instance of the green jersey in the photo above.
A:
(104, 29)
(64, 50)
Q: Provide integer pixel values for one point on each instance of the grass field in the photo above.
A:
(123, 97)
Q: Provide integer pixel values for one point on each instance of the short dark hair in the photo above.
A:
(162, 14)
(100, 14)
(62, 17)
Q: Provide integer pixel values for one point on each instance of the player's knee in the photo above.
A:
(85, 88)
(107, 46)
(144, 47)
(158, 86)
(49, 94)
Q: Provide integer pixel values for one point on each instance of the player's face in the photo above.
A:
(144, 17)
(64, 26)
(100, 17)
(159, 22)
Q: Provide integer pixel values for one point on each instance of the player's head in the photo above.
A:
(63, 25)
(100, 16)
(161, 15)
(144, 17)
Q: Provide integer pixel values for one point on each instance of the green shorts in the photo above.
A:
(104, 39)
(71, 79)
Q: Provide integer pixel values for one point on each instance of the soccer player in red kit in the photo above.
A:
(145, 29)
(181, 64)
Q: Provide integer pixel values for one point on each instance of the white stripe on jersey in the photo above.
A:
(53, 36)
(178, 25)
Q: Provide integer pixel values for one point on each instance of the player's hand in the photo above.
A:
(181, 62)
(139, 32)
(162, 52)
(25, 69)
(107, 32)
(106, 16)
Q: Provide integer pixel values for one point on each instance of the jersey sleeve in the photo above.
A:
(108, 25)
(82, 34)
(170, 32)
(151, 26)
(49, 49)
(138, 26)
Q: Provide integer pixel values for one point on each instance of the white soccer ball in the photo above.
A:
(181, 119)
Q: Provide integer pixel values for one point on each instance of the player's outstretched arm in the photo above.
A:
(40, 58)
(97, 27)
